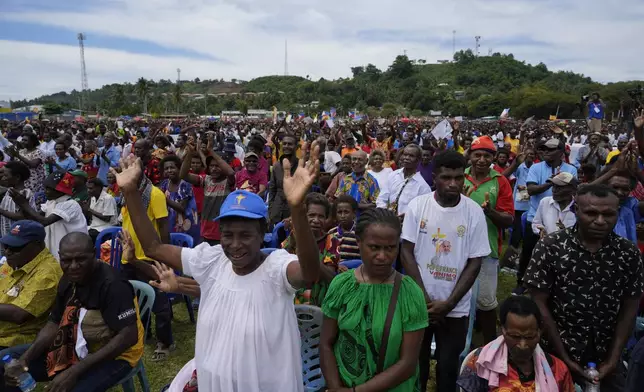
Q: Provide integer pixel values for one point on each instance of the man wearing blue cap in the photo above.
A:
(28, 283)
(247, 335)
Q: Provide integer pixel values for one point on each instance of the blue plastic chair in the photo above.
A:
(268, 251)
(351, 264)
(275, 235)
(111, 234)
(145, 295)
(309, 322)
(185, 241)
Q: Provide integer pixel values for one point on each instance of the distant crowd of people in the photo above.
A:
(386, 230)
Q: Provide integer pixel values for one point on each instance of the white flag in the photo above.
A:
(442, 129)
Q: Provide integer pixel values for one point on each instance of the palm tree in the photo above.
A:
(143, 90)
(118, 98)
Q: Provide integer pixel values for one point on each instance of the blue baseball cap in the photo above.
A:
(243, 204)
(23, 232)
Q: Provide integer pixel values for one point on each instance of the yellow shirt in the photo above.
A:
(32, 288)
(611, 155)
(158, 209)
(514, 145)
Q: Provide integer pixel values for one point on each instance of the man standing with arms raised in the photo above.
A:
(444, 240)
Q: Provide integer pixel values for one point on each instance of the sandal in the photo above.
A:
(162, 352)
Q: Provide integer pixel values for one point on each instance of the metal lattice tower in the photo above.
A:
(285, 57)
(84, 85)
(478, 45)
(453, 42)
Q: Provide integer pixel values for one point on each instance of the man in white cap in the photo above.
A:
(556, 212)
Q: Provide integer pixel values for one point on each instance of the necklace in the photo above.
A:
(383, 281)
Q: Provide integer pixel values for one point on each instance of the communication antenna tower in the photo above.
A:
(285, 57)
(84, 85)
(478, 45)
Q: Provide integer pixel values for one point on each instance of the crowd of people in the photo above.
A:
(432, 221)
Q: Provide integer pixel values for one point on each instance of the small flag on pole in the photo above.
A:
(333, 112)
(505, 113)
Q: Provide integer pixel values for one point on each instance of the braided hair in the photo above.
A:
(377, 216)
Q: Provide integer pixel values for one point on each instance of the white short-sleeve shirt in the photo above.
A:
(247, 334)
(104, 205)
(444, 239)
(72, 220)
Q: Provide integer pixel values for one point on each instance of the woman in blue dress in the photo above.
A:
(182, 207)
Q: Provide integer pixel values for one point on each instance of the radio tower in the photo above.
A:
(84, 86)
(478, 45)
(178, 75)
(285, 57)
(453, 42)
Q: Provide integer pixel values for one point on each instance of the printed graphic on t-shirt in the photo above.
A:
(443, 247)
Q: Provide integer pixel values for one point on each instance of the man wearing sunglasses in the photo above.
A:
(28, 283)
(539, 186)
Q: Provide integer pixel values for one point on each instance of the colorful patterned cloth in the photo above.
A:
(187, 222)
(470, 381)
(364, 188)
(89, 168)
(329, 255)
(153, 172)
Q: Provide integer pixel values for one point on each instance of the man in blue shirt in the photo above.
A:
(595, 113)
(520, 167)
(107, 157)
(538, 187)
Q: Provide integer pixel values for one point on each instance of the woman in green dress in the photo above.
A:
(355, 311)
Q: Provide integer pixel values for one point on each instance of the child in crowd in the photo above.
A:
(346, 208)
(318, 210)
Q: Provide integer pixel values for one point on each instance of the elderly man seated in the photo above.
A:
(94, 335)
(28, 283)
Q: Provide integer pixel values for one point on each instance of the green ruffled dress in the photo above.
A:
(360, 310)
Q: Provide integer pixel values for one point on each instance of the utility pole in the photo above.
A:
(478, 45)
(178, 75)
(84, 85)
(453, 43)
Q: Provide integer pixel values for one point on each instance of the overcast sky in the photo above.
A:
(243, 39)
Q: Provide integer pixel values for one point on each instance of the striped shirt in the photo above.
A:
(348, 247)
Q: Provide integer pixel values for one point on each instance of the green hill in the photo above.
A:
(468, 86)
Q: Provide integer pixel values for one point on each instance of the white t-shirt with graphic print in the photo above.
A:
(445, 238)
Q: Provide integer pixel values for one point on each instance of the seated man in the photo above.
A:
(515, 361)
(91, 299)
(28, 283)
(635, 378)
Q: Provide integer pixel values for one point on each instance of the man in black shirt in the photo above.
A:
(94, 336)
(587, 282)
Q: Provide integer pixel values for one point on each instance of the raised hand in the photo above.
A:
(127, 246)
(166, 278)
(638, 115)
(298, 185)
(131, 172)
(18, 197)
